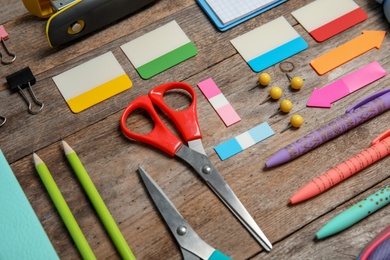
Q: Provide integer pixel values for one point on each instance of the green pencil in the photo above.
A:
(101, 209)
(63, 209)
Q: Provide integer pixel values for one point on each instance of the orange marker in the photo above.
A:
(380, 147)
(348, 51)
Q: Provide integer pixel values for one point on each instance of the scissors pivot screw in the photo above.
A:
(181, 230)
(206, 169)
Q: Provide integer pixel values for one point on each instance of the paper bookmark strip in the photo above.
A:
(243, 141)
(219, 102)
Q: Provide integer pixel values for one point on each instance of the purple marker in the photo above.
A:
(359, 113)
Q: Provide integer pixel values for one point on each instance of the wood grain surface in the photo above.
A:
(112, 160)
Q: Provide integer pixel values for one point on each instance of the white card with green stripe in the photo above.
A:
(92, 82)
(159, 50)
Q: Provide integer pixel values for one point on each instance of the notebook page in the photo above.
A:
(231, 10)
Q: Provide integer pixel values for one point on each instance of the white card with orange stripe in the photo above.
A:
(92, 82)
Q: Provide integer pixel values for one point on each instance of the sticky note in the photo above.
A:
(219, 102)
(23, 236)
(269, 44)
(324, 97)
(243, 141)
(159, 50)
(323, 19)
(92, 82)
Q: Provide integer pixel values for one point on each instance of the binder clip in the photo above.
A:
(3, 38)
(2, 120)
(24, 79)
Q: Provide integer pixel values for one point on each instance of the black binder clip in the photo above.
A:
(2, 120)
(3, 37)
(24, 79)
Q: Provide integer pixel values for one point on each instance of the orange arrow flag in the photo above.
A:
(348, 51)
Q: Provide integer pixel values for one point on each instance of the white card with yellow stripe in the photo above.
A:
(92, 82)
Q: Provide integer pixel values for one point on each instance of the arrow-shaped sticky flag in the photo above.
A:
(348, 51)
(358, 79)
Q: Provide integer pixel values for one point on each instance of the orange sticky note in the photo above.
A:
(348, 51)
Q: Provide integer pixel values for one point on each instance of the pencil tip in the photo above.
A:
(66, 147)
(37, 160)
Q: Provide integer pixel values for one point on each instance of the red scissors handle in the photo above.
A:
(160, 136)
(185, 120)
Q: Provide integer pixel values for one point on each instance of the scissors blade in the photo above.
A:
(197, 146)
(206, 170)
(181, 230)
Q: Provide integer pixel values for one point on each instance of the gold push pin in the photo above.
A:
(3, 37)
(285, 107)
(275, 93)
(295, 121)
(295, 82)
(264, 79)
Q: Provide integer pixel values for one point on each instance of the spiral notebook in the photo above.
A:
(228, 13)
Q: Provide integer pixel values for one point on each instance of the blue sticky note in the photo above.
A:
(22, 235)
(269, 44)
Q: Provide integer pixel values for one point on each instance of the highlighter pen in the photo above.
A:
(359, 113)
(380, 147)
(63, 209)
(356, 213)
(97, 202)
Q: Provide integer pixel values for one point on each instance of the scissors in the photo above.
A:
(186, 121)
(191, 245)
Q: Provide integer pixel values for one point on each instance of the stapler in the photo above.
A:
(71, 19)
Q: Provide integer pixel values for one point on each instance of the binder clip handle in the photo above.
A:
(3, 37)
(25, 79)
(2, 120)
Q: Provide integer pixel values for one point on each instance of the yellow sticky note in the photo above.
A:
(92, 82)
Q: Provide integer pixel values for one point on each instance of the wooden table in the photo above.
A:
(112, 160)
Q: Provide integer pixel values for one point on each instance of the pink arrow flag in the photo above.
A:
(358, 79)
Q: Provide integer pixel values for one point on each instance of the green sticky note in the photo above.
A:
(159, 50)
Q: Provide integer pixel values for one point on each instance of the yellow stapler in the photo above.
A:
(71, 19)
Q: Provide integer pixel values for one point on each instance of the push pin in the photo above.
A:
(25, 79)
(295, 82)
(285, 107)
(264, 79)
(295, 121)
(275, 93)
(3, 38)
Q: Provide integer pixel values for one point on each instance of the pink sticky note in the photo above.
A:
(218, 101)
(354, 81)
